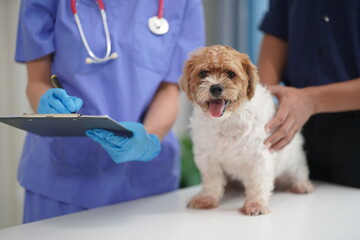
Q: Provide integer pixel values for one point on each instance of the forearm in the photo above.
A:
(39, 72)
(272, 59)
(163, 110)
(337, 97)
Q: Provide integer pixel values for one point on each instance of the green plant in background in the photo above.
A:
(189, 173)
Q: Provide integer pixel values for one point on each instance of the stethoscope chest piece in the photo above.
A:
(158, 26)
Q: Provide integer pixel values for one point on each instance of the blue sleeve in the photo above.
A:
(275, 20)
(192, 36)
(35, 34)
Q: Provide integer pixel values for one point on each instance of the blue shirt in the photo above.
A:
(323, 39)
(76, 169)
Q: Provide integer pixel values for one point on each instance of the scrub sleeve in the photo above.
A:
(35, 30)
(332, 139)
(275, 20)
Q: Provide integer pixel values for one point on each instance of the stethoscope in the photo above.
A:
(157, 25)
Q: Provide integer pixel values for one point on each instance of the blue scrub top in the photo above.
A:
(77, 170)
(323, 39)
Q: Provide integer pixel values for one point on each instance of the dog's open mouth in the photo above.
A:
(217, 107)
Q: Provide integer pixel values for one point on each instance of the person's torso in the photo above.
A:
(76, 169)
(323, 42)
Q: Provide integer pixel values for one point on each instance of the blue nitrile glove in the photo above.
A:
(56, 100)
(140, 146)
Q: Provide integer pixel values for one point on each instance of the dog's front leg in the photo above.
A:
(258, 187)
(213, 185)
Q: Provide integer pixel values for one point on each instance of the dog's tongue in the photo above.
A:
(216, 107)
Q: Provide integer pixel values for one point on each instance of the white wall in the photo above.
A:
(12, 101)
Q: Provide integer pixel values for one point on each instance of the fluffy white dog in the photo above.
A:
(228, 131)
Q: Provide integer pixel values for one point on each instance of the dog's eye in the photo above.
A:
(203, 74)
(230, 74)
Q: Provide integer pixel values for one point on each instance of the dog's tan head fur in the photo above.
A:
(218, 79)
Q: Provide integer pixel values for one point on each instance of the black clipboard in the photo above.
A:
(64, 124)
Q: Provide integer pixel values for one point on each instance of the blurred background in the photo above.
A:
(228, 22)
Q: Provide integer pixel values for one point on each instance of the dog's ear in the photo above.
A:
(189, 67)
(184, 80)
(253, 77)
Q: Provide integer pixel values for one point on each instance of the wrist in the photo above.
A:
(313, 102)
(156, 142)
(156, 131)
(152, 149)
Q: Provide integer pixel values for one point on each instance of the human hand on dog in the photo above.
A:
(295, 108)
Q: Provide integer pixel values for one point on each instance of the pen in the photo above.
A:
(55, 82)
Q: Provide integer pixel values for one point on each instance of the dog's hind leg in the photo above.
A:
(298, 174)
(299, 180)
(292, 161)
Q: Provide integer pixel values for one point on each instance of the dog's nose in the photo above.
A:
(216, 90)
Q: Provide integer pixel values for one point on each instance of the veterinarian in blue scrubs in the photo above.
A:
(137, 85)
(314, 46)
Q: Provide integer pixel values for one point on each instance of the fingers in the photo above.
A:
(64, 103)
(280, 125)
(276, 90)
(65, 100)
(278, 134)
(91, 134)
(105, 137)
(288, 119)
(100, 134)
(280, 117)
(281, 143)
(78, 103)
(282, 136)
(44, 107)
(57, 101)
(57, 106)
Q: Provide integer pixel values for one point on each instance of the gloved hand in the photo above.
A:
(56, 100)
(140, 146)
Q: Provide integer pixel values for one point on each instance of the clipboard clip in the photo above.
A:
(50, 115)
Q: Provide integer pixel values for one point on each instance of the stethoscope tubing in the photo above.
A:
(93, 58)
(108, 56)
(160, 9)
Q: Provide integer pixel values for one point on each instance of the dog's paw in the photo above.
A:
(254, 208)
(301, 188)
(203, 202)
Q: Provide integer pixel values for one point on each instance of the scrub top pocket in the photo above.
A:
(152, 51)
